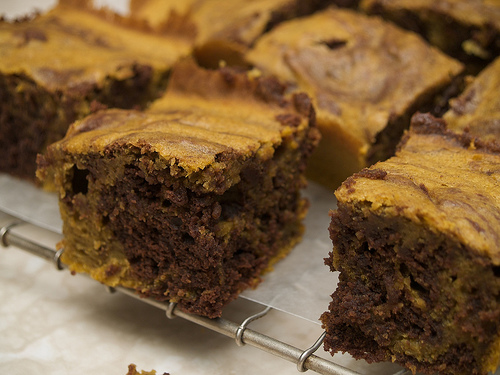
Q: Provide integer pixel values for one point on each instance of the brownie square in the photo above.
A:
(416, 240)
(193, 199)
(366, 76)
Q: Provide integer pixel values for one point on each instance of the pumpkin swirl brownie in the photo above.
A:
(224, 30)
(59, 66)
(417, 242)
(467, 30)
(193, 199)
(477, 109)
(366, 77)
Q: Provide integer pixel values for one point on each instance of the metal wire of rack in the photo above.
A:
(304, 359)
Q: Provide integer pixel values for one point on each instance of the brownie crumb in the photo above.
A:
(270, 89)
(372, 174)
(132, 370)
(289, 119)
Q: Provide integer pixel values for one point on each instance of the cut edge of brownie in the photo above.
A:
(435, 101)
(34, 117)
(376, 326)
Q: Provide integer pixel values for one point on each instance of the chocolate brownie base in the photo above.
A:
(416, 242)
(34, 117)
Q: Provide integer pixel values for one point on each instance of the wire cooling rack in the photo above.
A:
(305, 359)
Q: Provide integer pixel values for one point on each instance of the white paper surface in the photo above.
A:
(301, 284)
(25, 201)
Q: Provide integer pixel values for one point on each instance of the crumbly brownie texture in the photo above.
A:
(366, 77)
(477, 110)
(132, 370)
(192, 200)
(61, 65)
(417, 242)
(467, 30)
(226, 29)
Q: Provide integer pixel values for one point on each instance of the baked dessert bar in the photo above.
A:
(225, 29)
(467, 30)
(477, 109)
(193, 199)
(59, 66)
(366, 77)
(417, 242)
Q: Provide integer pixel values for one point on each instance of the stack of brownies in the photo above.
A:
(179, 138)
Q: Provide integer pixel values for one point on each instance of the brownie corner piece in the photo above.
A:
(192, 200)
(416, 241)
